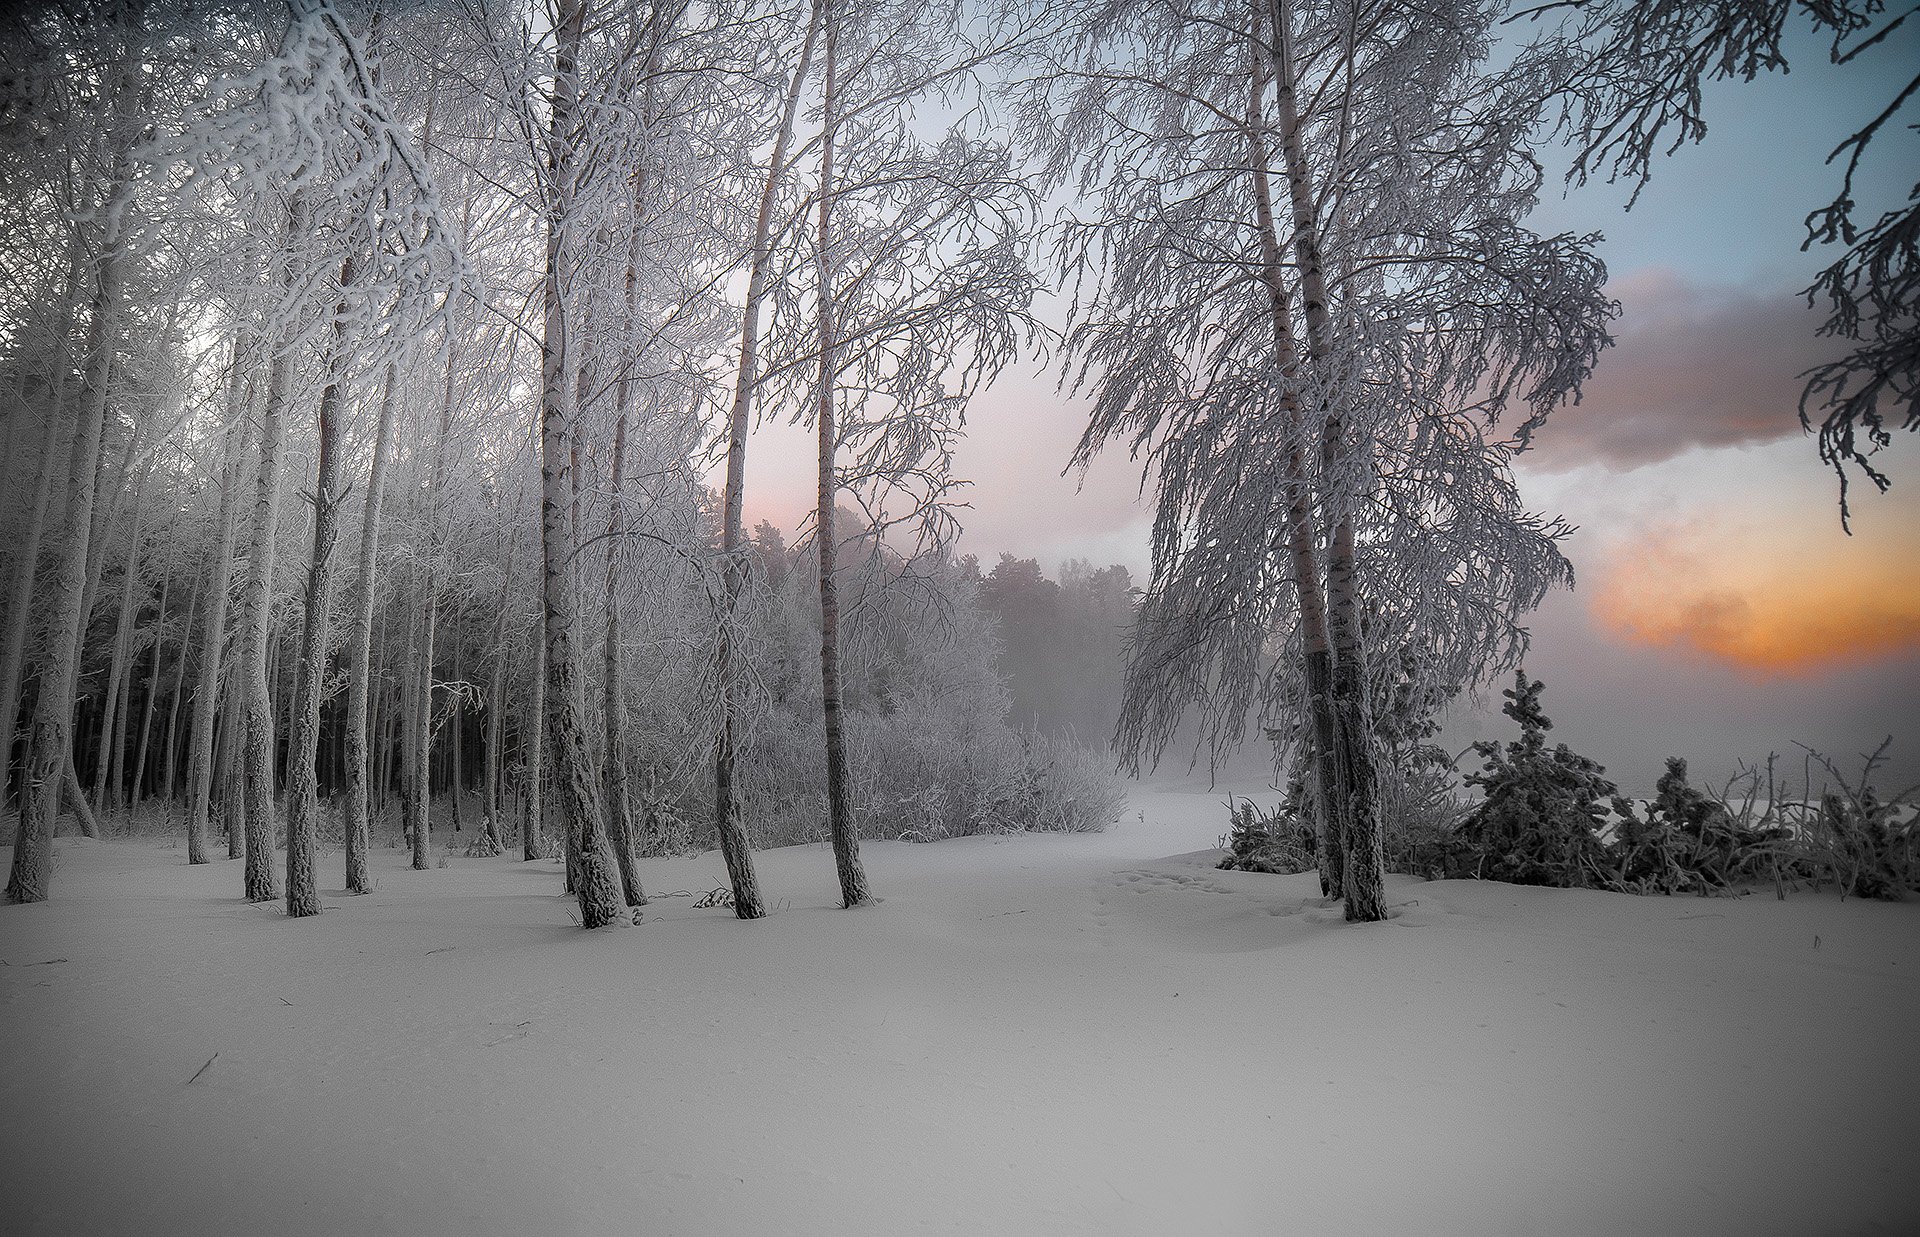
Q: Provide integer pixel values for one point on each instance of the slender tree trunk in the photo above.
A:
(1366, 848)
(112, 799)
(409, 720)
(284, 672)
(53, 710)
(846, 839)
(213, 631)
(533, 823)
(728, 822)
(1365, 870)
(360, 652)
(135, 792)
(380, 791)
(57, 444)
(1302, 541)
(456, 748)
(170, 745)
(108, 484)
(619, 792)
(258, 754)
(112, 716)
(77, 800)
(233, 803)
(303, 792)
(419, 790)
(598, 884)
(418, 801)
(497, 706)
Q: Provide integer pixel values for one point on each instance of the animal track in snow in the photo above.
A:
(1142, 879)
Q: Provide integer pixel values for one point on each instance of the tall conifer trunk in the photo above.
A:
(534, 740)
(619, 791)
(258, 749)
(56, 444)
(53, 711)
(360, 652)
(303, 791)
(497, 706)
(133, 789)
(54, 450)
(213, 632)
(170, 743)
(113, 724)
(419, 791)
(233, 802)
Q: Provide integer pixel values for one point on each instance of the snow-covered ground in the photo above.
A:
(1031, 1035)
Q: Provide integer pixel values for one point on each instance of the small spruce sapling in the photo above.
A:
(1540, 823)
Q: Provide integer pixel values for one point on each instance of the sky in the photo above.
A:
(1720, 612)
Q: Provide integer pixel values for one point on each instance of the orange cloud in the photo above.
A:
(1798, 605)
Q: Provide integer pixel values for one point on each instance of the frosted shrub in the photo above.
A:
(1867, 845)
(663, 828)
(1420, 814)
(1065, 786)
(930, 752)
(1689, 842)
(1280, 841)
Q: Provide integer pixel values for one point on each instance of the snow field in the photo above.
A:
(1032, 1034)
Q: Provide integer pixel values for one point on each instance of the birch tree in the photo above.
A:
(729, 824)
(920, 295)
(1264, 265)
(597, 881)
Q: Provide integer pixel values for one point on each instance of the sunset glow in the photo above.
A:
(1767, 602)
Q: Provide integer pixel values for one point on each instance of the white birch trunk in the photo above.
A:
(1364, 872)
(840, 826)
(728, 821)
(597, 881)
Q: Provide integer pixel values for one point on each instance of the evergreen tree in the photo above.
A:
(1540, 824)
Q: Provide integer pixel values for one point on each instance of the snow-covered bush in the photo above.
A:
(1551, 817)
(484, 844)
(1420, 812)
(1280, 841)
(1867, 847)
(1066, 786)
(1850, 833)
(1689, 842)
(663, 828)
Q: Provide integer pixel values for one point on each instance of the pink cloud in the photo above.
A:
(1692, 366)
